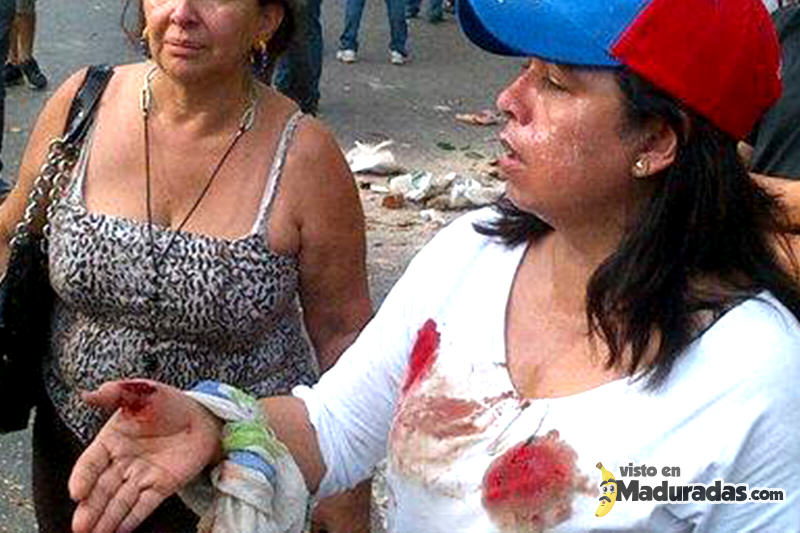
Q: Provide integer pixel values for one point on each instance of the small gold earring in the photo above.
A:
(145, 33)
(261, 44)
(259, 48)
(641, 168)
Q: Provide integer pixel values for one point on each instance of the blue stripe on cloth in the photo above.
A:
(212, 388)
(255, 462)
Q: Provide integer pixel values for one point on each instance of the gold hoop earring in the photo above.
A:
(641, 168)
(144, 41)
(259, 48)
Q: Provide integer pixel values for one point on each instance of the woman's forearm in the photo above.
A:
(289, 419)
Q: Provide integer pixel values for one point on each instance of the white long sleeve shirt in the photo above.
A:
(728, 411)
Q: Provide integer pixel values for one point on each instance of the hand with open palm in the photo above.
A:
(158, 440)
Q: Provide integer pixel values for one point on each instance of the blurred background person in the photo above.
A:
(7, 9)
(298, 71)
(20, 63)
(398, 31)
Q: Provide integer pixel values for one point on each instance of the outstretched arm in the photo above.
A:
(158, 440)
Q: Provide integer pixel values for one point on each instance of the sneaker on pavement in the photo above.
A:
(12, 74)
(396, 58)
(346, 56)
(33, 74)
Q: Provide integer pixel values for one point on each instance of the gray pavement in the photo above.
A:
(370, 100)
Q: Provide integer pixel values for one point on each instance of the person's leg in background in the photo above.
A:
(398, 27)
(20, 59)
(412, 8)
(435, 11)
(7, 8)
(297, 75)
(348, 42)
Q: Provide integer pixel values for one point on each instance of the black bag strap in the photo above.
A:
(81, 112)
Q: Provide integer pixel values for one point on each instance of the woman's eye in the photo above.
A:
(554, 84)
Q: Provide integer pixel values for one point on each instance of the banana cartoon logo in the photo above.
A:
(608, 488)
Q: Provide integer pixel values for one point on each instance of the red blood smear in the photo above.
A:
(441, 417)
(423, 355)
(533, 480)
(135, 396)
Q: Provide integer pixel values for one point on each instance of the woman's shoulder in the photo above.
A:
(461, 237)
(58, 105)
(756, 342)
(459, 248)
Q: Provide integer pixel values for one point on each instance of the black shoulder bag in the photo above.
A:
(26, 297)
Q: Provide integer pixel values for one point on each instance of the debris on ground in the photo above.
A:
(487, 117)
(446, 192)
(393, 201)
(432, 215)
(373, 158)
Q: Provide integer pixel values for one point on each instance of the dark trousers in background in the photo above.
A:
(7, 10)
(298, 72)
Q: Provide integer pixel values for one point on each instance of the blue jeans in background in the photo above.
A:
(435, 11)
(7, 10)
(396, 9)
(298, 72)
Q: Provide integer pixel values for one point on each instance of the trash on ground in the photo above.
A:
(487, 117)
(372, 158)
(444, 145)
(420, 185)
(432, 215)
(469, 192)
(393, 201)
(446, 192)
(376, 187)
(442, 108)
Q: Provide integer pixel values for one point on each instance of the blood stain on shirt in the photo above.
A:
(440, 417)
(423, 355)
(530, 487)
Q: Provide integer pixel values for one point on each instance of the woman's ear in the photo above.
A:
(658, 150)
(271, 17)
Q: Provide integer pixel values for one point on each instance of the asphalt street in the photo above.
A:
(371, 100)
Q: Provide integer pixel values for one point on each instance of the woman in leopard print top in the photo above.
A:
(169, 269)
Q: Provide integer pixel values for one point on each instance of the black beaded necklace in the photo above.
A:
(156, 258)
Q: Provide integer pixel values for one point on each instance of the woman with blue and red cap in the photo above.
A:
(613, 346)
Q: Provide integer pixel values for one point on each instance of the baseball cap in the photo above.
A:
(721, 58)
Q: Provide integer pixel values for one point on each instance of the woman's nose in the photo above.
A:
(183, 11)
(508, 101)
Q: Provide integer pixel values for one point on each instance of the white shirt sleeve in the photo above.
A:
(765, 345)
(353, 404)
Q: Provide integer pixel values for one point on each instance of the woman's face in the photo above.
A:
(194, 38)
(567, 160)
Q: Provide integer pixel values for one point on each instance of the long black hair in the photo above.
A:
(707, 239)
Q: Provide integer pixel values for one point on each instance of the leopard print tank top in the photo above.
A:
(227, 309)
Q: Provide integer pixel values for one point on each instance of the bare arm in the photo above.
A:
(333, 279)
(49, 125)
(158, 440)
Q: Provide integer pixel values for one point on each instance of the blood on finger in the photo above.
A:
(135, 397)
